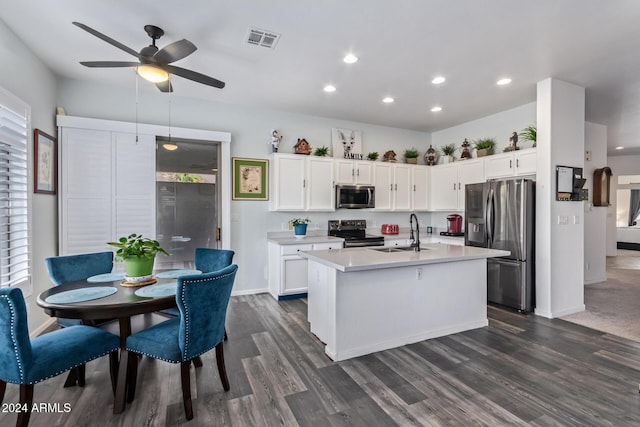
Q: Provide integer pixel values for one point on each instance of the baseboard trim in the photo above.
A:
(43, 327)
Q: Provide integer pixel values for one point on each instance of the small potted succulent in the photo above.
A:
(448, 151)
(299, 226)
(411, 155)
(321, 151)
(138, 254)
(373, 156)
(530, 133)
(484, 146)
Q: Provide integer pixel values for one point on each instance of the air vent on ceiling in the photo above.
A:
(263, 38)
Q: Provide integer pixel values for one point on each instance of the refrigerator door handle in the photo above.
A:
(489, 217)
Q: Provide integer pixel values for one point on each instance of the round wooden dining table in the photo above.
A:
(121, 304)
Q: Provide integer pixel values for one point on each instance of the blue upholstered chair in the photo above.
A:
(202, 301)
(69, 268)
(27, 361)
(208, 260)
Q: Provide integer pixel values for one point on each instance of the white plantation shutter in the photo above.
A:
(15, 195)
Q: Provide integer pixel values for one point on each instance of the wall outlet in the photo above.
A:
(563, 220)
(418, 273)
(576, 219)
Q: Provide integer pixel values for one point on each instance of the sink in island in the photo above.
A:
(363, 300)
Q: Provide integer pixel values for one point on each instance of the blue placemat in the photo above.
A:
(160, 290)
(173, 274)
(82, 294)
(106, 277)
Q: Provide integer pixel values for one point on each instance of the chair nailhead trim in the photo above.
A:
(13, 337)
(186, 311)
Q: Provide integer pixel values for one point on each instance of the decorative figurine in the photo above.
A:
(275, 140)
(513, 141)
(302, 147)
(389, 156)
(431, 156)
(465, 153)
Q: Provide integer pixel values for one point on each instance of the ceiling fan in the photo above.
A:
(154, 64)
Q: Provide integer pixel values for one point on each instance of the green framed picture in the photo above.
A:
(250, 179)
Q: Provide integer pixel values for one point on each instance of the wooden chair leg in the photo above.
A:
(132, 376)
(197, 362)
(72, 378)
(221, 368)
(113, 370)
(26, 401)
(3, 388)
(185, 378)
(81, 373)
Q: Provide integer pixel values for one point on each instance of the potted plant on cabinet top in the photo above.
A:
(321, 151)
(411, 155)
(373, 156)
(530, 133)
(138, 254)
(299, 226)
(484, 146)
(447, 152)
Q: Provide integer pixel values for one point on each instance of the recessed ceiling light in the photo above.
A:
(619, 148)
(350, 58)
(329, 88)
(438, 80)
(503, 82)
(436, 109)
(388, 100)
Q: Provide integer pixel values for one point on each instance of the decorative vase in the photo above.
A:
(138, 266)
(485, 152)
(431, 156)
(300, 230)
(447, 159)
(412, 160)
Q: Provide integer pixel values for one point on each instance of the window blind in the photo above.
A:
(15, 197)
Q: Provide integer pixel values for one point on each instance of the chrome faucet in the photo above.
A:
(415, 239)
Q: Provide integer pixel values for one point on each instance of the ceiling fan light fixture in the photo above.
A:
(170, 147)
(152, 73)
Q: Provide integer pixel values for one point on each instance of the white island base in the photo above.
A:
(364, 311)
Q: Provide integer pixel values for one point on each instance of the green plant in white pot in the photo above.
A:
(300, 226)
(138, 254)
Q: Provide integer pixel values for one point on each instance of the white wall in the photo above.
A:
(250, 130)
(499, 126)
(559, 248)
(595, 217)
(26, 77)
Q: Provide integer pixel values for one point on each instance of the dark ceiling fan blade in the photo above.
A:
(192, 75)
(175, 51)
(165, 86)
(108, 64)
(107, 39)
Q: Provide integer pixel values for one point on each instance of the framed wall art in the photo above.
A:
(347, 144)
(45, 163)
(250, 179)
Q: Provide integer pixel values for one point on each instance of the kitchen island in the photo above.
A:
(363, 300)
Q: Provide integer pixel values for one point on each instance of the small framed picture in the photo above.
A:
(45, 163)
(250, 179)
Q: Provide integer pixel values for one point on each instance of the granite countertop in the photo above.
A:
(368, 258)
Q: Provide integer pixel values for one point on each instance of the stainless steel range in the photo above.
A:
(353, 231)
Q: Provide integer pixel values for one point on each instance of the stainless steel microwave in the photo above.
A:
(355, 196)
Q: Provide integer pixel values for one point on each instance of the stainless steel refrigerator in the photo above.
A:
(501, 215)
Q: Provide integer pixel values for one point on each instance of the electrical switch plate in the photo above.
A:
(587, 155)
(563, 220)
(418, 273)
(576, 219)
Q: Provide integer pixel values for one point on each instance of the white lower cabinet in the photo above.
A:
(288, 270)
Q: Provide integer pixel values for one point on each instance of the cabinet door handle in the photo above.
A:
(304, 183)
(510, 164)
(414, 188)
(458, 186)
(396, 187)
(353, 172)
(454, 186)
(358, 172)
(390, 187)
(517, 163)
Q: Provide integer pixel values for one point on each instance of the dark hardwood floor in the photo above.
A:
(520, 370)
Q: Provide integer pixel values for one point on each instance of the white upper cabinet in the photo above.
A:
(514, 163)
(470, 171)
(419, 188)
(393, 186)
(447, 183)
(353, 171)
(301, 183)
